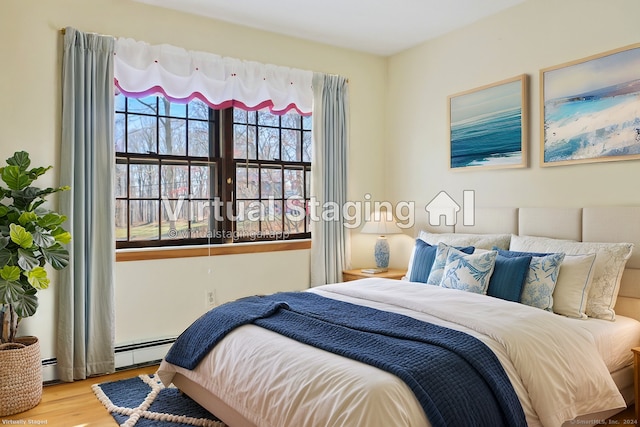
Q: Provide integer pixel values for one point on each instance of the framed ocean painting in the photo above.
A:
(488, 126)
(590, 109)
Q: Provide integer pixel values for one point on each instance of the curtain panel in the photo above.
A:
(86, 320)
(330, 248)
(179, 75)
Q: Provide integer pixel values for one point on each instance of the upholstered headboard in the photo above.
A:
(588, 224)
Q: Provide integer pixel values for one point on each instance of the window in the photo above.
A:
(272, 163)
(187, 174)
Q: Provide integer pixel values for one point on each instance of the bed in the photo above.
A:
(564, 368)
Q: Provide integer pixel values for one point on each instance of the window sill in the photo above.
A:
(213, 250)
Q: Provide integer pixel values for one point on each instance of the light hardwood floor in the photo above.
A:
(73, 404)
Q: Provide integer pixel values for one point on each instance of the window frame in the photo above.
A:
(232, 164)
(222, 181)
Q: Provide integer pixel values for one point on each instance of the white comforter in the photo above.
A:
(274, 381)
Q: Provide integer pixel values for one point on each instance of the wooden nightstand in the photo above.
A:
(392, 273)
(636, 379)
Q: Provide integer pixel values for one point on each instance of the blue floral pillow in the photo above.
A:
(442, 252)
(541, 279)
(469, 273)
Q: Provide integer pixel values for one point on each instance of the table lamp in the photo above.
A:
(382, 224)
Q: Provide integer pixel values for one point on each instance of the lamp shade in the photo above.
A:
(381, 223)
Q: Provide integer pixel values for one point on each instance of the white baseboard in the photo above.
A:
(141, 353)
(49, 370)
(126, 356)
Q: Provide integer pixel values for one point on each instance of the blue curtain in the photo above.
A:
(86, 321)
(330, 249)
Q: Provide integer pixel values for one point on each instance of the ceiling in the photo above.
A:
(381, 27)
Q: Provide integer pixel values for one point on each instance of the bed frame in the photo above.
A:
(588, 224)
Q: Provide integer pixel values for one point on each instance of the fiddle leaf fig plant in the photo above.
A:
(31, 237)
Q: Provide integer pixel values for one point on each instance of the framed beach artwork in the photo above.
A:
(590, 109)
(488, 126)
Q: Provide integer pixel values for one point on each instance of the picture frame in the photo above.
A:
(488, 126)
(590, 109)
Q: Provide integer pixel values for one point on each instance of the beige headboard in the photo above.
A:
(588, 224)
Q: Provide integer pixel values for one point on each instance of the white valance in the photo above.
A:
(141, 69)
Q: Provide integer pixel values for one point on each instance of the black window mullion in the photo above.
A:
(259, 173)
(128, 191)
(189, 197)
(159, 199)
(282, 195)
(215, 178)
(187, 119)
(126, 134)
(307, 200)
(301, 142)
(228, 171)
(158, 125)
(157, 153)
(280, 139)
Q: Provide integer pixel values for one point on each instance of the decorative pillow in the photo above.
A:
(442, 252)
(468, 272)
(511, 253)
(508, 277)
(541, 278)
(610, 261)
(572, 288)
(423, 256)
(482, 241)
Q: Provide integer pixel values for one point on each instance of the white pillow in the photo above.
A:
(407, 275)
(609, 266)
(468, 272)
(482, 241)
(541, 281)
(572, 289)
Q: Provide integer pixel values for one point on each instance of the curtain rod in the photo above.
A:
(64, 30)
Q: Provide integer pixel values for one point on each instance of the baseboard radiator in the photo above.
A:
(128, 356)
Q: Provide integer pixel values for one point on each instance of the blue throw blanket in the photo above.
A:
(456, 378)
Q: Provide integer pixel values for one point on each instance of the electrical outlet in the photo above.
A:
(210, 298)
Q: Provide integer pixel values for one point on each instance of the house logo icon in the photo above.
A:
(443, 205)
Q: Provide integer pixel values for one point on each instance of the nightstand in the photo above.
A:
(636, 378)
(392, 273)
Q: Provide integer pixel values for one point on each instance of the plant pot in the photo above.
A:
(20, 376)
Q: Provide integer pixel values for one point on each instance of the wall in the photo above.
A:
(159, 298)
(521, 40)
(405, 139)
(156, 299)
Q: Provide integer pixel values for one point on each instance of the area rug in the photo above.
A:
(143, 401)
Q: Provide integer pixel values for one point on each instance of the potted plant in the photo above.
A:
(31, 237)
